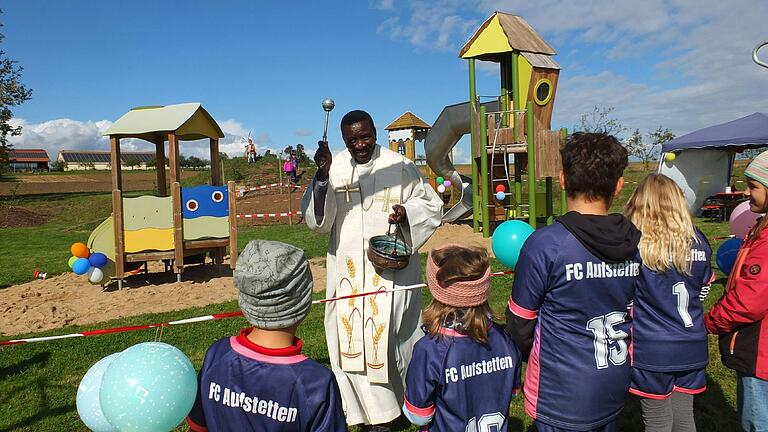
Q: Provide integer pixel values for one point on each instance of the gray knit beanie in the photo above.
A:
(275, 284)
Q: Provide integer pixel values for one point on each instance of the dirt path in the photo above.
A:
(69, 299)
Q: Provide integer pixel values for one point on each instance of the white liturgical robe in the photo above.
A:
(370, 338)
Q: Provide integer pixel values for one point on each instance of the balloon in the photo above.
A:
(440, 180)
(447, 183)
(441, 188)
(742, 219)
(98, 259)
(88, 405)
(726, 255)
(95, 275)
(508, 239)
(501, 188)
(71, 261)
(500, 195)
(669, 157)
(79, 250)
(151, 386)
(81, 266)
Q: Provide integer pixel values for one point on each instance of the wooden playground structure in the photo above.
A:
(518, 134)
(188, 222)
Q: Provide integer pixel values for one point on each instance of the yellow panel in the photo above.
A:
(197, 127)
(206, 227)
(491, 40)
(524, 73)
(148, 239)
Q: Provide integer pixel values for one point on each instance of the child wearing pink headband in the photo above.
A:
(466, 370)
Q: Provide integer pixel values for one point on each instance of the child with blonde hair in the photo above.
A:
(668, 336)
(466, 370)
(740, 317)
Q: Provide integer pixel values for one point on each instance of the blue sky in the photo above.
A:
(264, 67)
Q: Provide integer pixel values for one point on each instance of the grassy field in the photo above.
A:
(40, 380)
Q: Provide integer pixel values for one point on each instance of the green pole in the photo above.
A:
(550, 210)
(484, 172)
(515, 76)
(504, 69)
(531, 136)
(563, 195)
(518, 186)
(472, 143)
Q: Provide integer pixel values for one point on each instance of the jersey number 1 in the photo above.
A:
(605, 334)
(683, 299)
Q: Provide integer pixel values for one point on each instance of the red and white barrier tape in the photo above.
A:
(242, 191)
(202, 318)
(267, 215)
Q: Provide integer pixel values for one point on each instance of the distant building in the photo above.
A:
(28, 160)
(404, 132)
(100, 160)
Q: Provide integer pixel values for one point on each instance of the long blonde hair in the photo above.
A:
(658, 209)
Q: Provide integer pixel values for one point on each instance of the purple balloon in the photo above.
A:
(742, 219)
(447, 183)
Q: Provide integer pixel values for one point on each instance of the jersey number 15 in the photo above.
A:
(609, 342)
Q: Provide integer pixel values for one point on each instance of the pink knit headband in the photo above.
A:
(461, 293)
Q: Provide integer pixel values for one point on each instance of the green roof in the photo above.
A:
(189, 121)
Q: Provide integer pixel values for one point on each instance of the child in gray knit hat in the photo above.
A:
(259, 380)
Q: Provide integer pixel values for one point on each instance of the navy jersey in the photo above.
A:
(579, 368)
(245, 387)
(456, 384)
(668, 331)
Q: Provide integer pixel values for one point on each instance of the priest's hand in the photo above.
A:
(398, 214)
(323, 160)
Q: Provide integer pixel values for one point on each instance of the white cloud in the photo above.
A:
(303, 132)
(67, 134)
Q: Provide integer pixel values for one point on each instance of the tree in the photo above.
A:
(132, 163)
(647, 151)
(12, 93)
(600, 120)
(301, 155)
(58, 165)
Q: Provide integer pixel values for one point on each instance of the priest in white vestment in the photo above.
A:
(354, 196)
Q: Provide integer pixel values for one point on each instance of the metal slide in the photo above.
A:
(450, 126)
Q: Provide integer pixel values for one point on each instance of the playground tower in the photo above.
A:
(404, 132)
(518, 132)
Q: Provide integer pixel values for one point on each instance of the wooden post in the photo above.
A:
(162, 186)
(215, 167)
(173, 150)
(116, 162)
(178, 229)
(117, 222)
(232, 224)
(550, 210)
(531, 137)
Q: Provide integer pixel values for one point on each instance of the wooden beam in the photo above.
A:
(149, 256)
(117, 222)
(173, 150)
(162, 186)
(232, 224)
(206, 244)
(116, 163)
(216, 179)
(178, 229)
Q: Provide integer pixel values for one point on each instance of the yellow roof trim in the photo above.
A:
(489, 39)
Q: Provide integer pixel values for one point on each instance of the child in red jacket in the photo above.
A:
(740, 316)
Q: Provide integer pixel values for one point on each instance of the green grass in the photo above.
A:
(40, 380)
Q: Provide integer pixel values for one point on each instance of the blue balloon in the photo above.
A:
(151, 387)
(508, 239)
(88, 405)
(726, 254)
(500, 195)
(98, 259)
(81, 266)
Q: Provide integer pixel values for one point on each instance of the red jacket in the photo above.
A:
(740, 316)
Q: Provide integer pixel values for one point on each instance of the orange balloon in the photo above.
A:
(80, 250)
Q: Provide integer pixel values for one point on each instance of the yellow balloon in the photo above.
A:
(669, 157)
